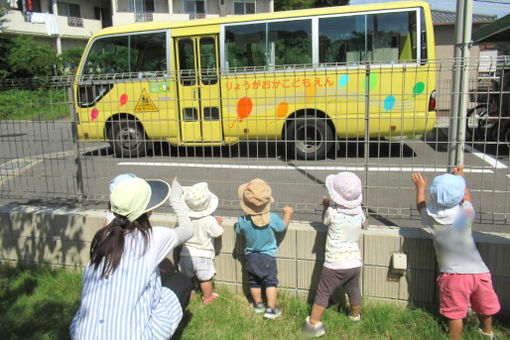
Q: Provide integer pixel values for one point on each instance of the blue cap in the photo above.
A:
(448, 190)
(118, 179)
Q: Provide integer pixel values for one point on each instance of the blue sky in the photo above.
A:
(497, 7)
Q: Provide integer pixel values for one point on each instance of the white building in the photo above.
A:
(70, 23)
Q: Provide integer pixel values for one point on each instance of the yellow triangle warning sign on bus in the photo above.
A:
(145, 103)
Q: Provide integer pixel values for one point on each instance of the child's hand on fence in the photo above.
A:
(419, 181)
(287, 210)
(219, 220)
(325, 202)
(459, 170)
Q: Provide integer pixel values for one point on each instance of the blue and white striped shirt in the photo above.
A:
(131, 303)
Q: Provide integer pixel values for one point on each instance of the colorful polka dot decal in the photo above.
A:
(93, 114)
(311, 88)
(123, 99)
(282, 109)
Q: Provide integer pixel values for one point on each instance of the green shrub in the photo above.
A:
(38, 104)
(28, 59)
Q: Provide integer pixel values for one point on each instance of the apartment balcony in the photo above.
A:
(44, 24)
(127, 18)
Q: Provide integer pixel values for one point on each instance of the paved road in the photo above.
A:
(38, 165)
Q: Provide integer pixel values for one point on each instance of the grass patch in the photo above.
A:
(38, 104)
(39, 303)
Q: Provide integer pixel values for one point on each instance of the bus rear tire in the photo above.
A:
(309, 138)
(127, 138)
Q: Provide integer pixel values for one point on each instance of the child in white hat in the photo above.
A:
(198, 253)
(342, 265)
(465, 279)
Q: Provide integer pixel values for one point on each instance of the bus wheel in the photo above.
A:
(309, 138)
(127, 138)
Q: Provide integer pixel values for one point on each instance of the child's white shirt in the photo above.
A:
(342, 249)
(201, 245)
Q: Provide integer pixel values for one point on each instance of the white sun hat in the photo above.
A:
(199, 200)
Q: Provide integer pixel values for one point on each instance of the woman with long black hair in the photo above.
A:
(122, 295)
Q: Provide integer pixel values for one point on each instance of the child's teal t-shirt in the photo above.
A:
(260, 239)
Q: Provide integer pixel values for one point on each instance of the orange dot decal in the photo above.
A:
(282, 109)
(310, 93)
(244, 107)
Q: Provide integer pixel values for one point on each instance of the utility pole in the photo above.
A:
(460, 86)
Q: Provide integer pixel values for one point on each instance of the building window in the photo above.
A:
(244, 7)
(194, 6)
(66, 9)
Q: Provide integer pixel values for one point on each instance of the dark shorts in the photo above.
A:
(331, 279)
(181, 285)
(261, 270)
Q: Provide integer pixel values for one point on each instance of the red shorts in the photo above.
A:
(456, 291)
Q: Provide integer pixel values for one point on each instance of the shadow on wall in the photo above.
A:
(43, 235)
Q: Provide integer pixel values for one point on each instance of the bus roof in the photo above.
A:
(149, 26)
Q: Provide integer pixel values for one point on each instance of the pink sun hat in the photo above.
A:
(344, 189)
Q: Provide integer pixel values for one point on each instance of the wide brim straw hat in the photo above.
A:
(199, 200)
(133, 197)
(345, 189)
(255, 199)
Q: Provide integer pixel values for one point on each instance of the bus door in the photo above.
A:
(199, 89)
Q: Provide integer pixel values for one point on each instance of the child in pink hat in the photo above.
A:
(342, 265)
(465, 279)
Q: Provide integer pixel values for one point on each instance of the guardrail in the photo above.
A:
(271, 112)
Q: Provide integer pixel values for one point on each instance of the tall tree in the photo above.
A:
(287, 5)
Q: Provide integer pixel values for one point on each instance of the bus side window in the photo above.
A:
(392, 37)
(342, 39)
(148, 52)
(208, 61)
(187, 62)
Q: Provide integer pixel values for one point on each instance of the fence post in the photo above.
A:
(457, 132)
(366, 147)
(76, 146)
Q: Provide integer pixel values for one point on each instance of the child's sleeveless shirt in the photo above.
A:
(342, 249)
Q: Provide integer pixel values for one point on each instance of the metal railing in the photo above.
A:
(278, 118)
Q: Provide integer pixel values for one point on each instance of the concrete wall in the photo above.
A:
(62, 238)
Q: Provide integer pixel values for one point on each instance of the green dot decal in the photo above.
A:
(418, 88)
(373, 82)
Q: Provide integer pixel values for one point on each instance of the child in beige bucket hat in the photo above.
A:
(259, 228)
(198, 253)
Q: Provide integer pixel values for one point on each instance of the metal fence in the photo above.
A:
(295, 126)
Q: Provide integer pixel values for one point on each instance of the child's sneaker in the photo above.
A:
(210, 299)
(258, 307)
(355, 318)
(490, 335)
(311, 331)
(272, 313)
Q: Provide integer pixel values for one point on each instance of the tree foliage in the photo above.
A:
(287, 5)
(27, 58)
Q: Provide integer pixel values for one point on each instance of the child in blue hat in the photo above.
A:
(464, 278)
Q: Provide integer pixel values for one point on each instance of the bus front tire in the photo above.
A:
(127, 138)
(309, 138)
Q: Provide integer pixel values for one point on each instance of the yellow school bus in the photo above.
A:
(306, 77)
